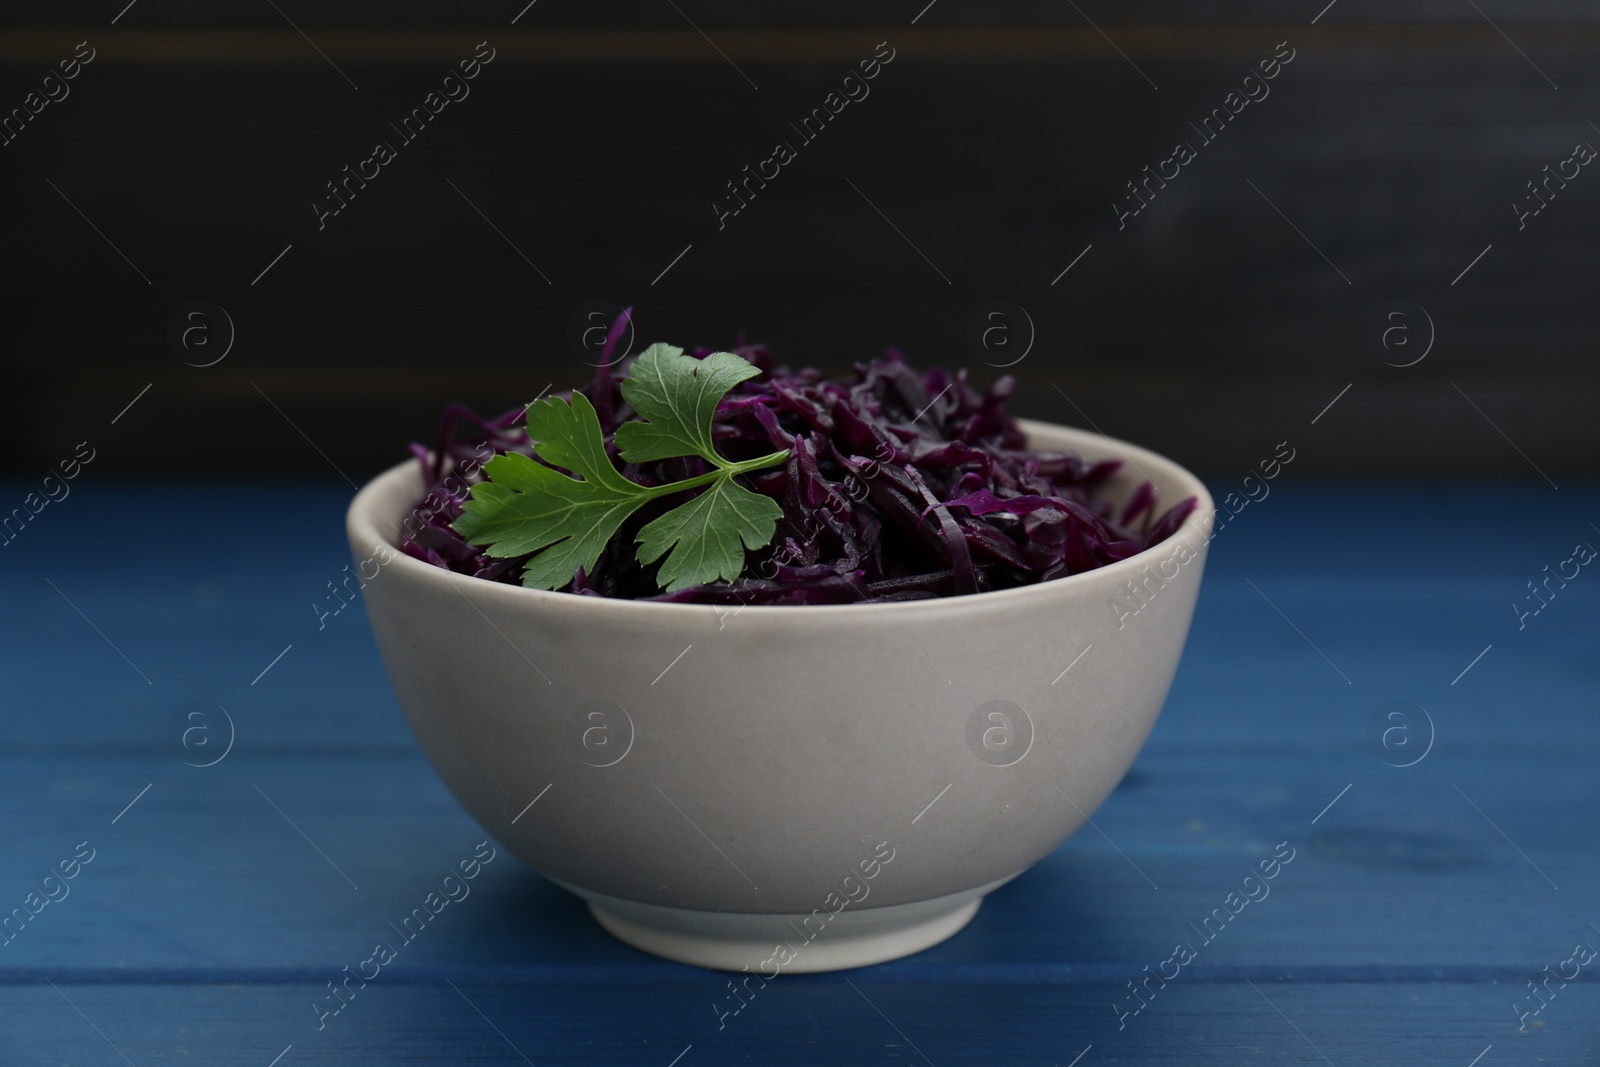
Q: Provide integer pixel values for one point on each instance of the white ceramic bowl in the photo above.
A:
(796, 788)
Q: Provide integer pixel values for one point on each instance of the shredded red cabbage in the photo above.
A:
(900, 485)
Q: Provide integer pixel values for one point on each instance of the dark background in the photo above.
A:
(997, 141)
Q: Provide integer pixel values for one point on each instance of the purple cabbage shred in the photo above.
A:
(900, 485)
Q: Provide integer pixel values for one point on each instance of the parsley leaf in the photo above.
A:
(568, 521)
(679, 395)
(705, 534)
(526, 506)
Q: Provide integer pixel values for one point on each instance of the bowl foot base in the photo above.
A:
(821, 941)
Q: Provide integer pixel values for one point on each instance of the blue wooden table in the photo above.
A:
(208, 907)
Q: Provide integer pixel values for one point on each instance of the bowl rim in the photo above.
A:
(361, 527)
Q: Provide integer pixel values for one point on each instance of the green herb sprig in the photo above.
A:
(568, 521)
